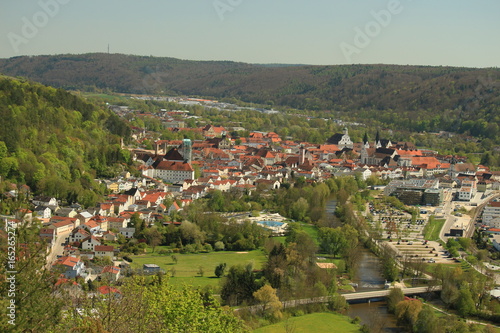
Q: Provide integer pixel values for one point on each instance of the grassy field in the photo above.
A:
(316, 322)
(432, 230)
(188, 265)
(311, 230)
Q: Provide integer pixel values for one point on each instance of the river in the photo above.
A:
(373, 314)
(369, 277)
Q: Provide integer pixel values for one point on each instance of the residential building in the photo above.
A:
(491, 211)
(71, 266)
(104, 251)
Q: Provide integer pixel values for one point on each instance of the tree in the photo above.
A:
(153, 237)
(137, 223)
(390, 268)
(465, 304)
(465, 243)
(407, 312)
(270, 302)
(332, 240)
(219, 246)
(426, 321)
(305, 245)
(395, 296)
(239, 285)
(299, 209)
(338, 303)
(36, 308)
(220, 269)
(152, 307)
(191, 233)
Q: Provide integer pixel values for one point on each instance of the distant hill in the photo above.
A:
(468, 94)
(56, 142)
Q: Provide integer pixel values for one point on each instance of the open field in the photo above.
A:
(316, 322)
(311, 230)
(188, 265)
(432, 229)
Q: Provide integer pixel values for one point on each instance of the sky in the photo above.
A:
(318, 32)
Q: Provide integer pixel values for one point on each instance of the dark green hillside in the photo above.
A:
(416, 98)
(56, 142)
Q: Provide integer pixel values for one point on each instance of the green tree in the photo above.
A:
(427, 321)
(36, 308)
(191, 233)
(332, 240)
(220, 269)
(239, 285)
(270, 302)
(407, 312)
(395, 296)
(299, 209)
(465, 304)
(219, 246)
(153, 237)
(137, 223)
(152, 307)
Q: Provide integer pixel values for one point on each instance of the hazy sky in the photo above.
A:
(418, 32)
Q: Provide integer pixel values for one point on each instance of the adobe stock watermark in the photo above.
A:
(31, 27)
(364, 36)
(223, 6)
(485, 88)
(11, 272)
(155, 79)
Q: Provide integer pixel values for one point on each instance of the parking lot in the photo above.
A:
(391, 223)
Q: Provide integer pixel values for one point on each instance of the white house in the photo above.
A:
(127, 232)
(71, 266)
(491, 211)
(90, 243)
(43, 212)
(104, 251)
(78, 235)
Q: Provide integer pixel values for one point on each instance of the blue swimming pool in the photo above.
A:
(272, 224)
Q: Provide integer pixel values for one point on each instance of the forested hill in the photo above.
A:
(417, 98)
(56, 142)
(310, 87)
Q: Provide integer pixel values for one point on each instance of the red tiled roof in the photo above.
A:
(64, 280)
(104, 248)
(107, 289)
(174, 166)
(67, 261)
(111, 269)
(62, 224)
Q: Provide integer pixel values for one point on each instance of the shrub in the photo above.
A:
(219, 246)
(208, 248)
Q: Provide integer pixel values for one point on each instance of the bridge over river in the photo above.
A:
(361, 296)
(350, 297)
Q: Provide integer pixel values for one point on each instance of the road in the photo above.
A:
(57, 249)
(450, 219)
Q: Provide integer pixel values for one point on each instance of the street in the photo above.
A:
(57, 249)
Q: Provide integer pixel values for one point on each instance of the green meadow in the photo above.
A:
(315, 322)
(187, 268)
